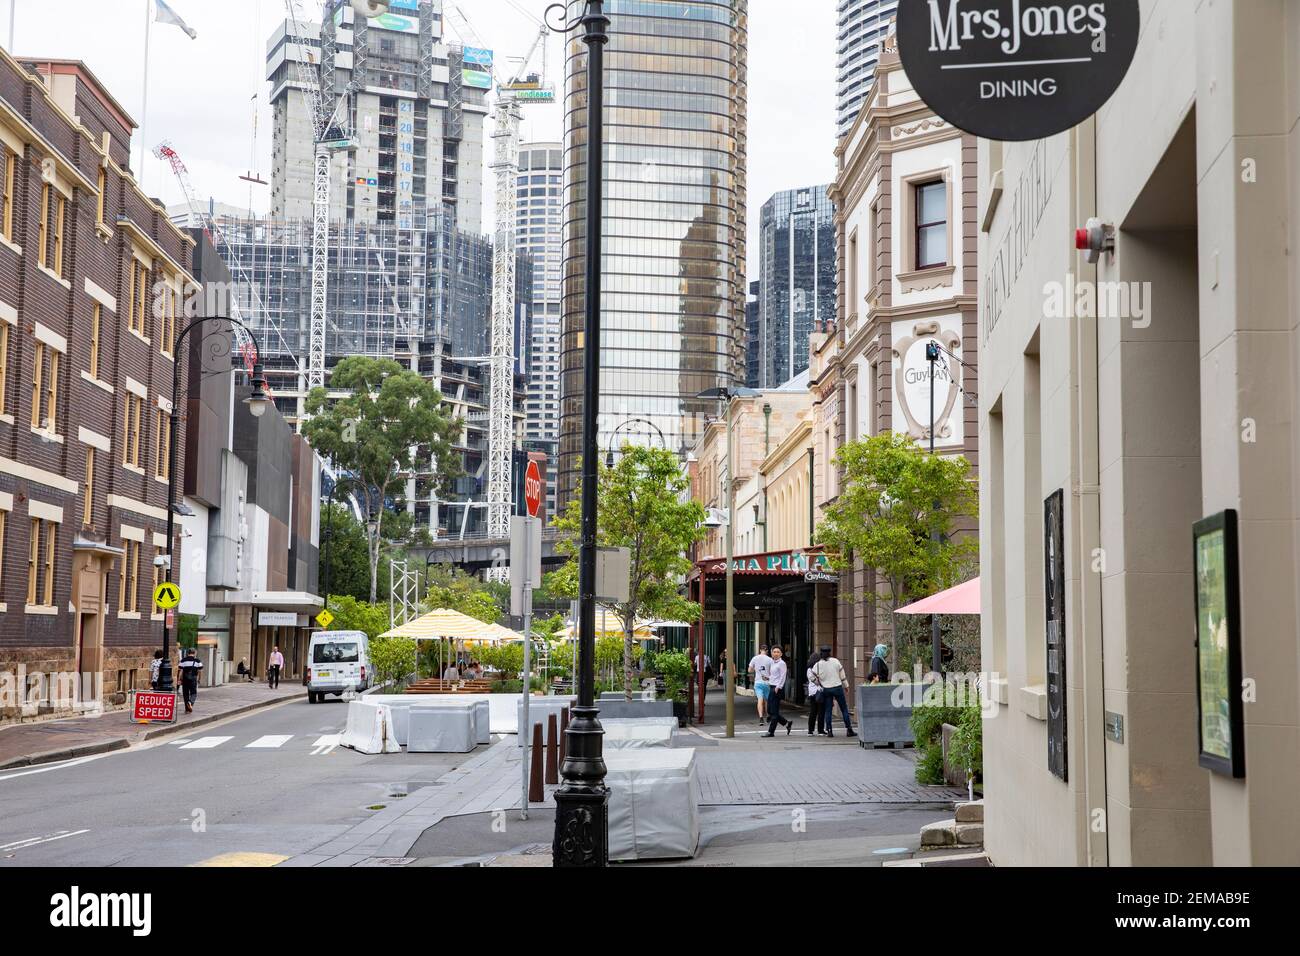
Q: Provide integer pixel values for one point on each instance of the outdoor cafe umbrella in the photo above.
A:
(963, 599)
(444, 624)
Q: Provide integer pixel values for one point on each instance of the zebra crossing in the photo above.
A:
(318, 747)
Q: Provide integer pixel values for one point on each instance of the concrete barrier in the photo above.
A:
(654, 804)
(441, 730)
(369, 728)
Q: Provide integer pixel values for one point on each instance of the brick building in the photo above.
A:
(86, 369)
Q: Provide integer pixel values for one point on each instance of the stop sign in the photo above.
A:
(533, 489)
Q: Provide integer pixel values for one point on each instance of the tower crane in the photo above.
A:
(523, 88)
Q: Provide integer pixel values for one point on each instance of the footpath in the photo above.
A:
(67, 738)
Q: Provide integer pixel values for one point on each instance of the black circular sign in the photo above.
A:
(1016, 69)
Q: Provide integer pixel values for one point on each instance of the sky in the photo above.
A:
(207, 96)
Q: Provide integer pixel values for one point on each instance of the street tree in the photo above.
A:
(642, 506)
(895, 497)
(391, 422)
(451, 587)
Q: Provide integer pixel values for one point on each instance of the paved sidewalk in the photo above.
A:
(69, 737)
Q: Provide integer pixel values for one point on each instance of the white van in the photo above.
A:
(338, 661)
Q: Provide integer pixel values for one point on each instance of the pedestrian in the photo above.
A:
(830, 674)
(879, 672)
(154, 667)
(708, 668)
(452, 673)
(760, 666)
(244, 671)
(190, 666)
(722, 667)
(273, 666)
(816, 718)
(776, 680)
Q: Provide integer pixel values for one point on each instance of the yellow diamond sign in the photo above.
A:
(325, 618)
(167, 595)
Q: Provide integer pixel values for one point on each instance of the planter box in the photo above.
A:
(885, 712)
(621, 708)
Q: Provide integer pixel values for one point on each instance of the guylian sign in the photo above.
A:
(1016, 69)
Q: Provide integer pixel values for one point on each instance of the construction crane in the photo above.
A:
(523, 88)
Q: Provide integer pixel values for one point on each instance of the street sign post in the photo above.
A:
(526, 574)
(325, 618)
(151, 706)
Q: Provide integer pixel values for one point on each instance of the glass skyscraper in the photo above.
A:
(860, 25)
(674, 221)
(796, 282)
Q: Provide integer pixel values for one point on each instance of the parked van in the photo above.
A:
(338, 661)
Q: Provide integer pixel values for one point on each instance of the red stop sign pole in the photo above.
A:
(533, 489)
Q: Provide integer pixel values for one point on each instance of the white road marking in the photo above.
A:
(325, 744)
(269, 742)
(177, 743)
(206, 743)
(34, 841)
(55, 766)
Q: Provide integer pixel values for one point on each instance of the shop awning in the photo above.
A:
(963, 599)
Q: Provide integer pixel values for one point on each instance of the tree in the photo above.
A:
(392, 421)
(347, 553)
(642, 506)
(894, 496)
(353, 615)
(392, 658)
(453, 588)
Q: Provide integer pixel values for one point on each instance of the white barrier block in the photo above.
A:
(369, 728)
(441, 730)
(654, 804)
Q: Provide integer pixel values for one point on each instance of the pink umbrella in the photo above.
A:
(963, 599)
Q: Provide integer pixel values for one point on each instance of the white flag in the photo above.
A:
(166, 14)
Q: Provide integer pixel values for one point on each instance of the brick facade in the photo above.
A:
(67, 136)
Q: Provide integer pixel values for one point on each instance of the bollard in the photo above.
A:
(552, 765)
(564, 733)
(536, 794)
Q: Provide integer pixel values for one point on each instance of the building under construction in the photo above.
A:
(421, 296)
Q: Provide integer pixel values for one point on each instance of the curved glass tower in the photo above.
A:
(673, 305)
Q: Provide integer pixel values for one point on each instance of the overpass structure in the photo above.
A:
(476, 553)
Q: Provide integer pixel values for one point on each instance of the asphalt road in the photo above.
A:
(251, 790)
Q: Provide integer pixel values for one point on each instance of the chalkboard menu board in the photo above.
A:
(1054, 603)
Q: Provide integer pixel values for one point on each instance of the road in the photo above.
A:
(251, 790)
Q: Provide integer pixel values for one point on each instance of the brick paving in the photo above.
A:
(70, 737)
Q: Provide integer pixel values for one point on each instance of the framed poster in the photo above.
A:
(1054, 608)
(1218, 645)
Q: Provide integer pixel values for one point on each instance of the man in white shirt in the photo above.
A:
(760, 666)
(776, 679)
(274, 665)
(829, 673)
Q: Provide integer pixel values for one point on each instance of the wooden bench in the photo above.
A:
(436, 685)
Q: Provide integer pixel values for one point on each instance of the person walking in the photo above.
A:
(722, 667)
(760, 666)
(154, 667)
(816, 718)
(274, 665)
(879, 672)
(189, 667)
(830, 675)
(776, 680)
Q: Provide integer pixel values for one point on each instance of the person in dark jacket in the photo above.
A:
(879, 672)
(190, 666)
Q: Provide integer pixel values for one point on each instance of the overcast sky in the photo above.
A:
(201, 92)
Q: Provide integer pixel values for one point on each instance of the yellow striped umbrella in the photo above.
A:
(446, 624)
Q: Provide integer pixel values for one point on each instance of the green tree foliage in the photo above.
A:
(451, 587)
(187, 630)
(345, 552)
(392, 658)
(675, 668)
(353, 615)
(894, 496)
(642, 506)
(392, 422)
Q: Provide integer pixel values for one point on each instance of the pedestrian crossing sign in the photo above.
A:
(325, 618)
(167, 595)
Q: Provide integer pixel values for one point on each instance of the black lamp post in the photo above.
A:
(258, 402)
(582, 802)
(609, 452)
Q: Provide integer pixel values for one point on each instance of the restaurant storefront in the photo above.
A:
(782, 597)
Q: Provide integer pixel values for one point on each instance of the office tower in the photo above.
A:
(674, 223)
(417, 109)
(753, 337)
(859, 28)
(538, 236)
(797, 280)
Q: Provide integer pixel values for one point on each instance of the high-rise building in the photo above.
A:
(796, 282)
(417, 108)
(674, 222)
(538, 236)
(859, 27)
(753, 337)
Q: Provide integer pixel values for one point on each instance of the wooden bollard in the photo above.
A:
(552, 764)
(536, 793)
(564, 733)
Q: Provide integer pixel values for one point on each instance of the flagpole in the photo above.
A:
(144, 105)
(13, 15)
